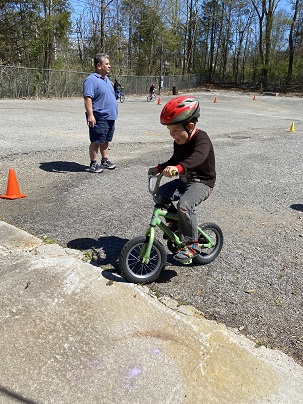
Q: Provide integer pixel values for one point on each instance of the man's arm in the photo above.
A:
(91, 121)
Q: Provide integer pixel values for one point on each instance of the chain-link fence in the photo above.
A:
(20, 82)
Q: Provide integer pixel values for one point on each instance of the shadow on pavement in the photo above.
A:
(297, 206)
(113, 277)
(166, 275)
(63, 166)
(105, 250)
(16, 397)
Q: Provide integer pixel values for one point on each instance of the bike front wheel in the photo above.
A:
(122, 98)
(209, 250)
(130, 261)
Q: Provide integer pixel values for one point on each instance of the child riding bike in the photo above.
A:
(194, 160)
(152, 90)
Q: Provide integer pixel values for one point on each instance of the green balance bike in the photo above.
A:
(142, 258)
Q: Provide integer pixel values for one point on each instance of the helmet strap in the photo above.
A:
(189, 131)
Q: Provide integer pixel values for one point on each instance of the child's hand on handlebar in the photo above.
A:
(153, 171)
(170, 171)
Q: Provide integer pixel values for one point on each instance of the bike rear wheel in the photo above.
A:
(130, 262)
(209, 253)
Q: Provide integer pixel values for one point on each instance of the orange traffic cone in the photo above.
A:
(254, 97)
(159, 101)
(215, 100)
(13, 191)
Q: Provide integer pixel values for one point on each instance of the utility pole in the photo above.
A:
(161, 68)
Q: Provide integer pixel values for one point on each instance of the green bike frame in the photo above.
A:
(156, 221)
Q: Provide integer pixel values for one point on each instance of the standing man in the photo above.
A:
(101, 112)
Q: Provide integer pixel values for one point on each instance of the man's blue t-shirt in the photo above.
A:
(101, 92)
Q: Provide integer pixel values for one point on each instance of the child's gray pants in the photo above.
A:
(190, 195)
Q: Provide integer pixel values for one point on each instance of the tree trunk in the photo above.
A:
(291, 43)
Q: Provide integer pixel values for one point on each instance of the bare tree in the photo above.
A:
(291, 40)
(190, 34)
(265, 10)
(242, 17)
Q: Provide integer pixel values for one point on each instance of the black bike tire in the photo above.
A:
(202, 259)
(131, 247)
(148, 99)
(122, 98)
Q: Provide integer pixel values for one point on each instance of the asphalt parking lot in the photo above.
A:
(256, 284)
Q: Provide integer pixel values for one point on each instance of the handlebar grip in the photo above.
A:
(174, 173)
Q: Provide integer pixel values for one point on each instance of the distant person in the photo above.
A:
(101, 112)
(117, 87)
(152, 89)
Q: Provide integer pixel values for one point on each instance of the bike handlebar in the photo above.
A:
(154, 189)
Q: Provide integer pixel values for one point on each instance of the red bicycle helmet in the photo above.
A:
(181, 109)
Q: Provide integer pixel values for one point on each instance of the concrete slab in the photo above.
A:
(16, 239)
(70, 335)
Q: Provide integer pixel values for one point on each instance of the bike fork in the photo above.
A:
(147, 246)
(150, 236)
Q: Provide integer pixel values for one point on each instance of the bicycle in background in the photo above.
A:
(120, 95)
(152, 97)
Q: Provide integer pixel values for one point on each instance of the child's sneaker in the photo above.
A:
(105, 163)
(186, 254)
(95, 168)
